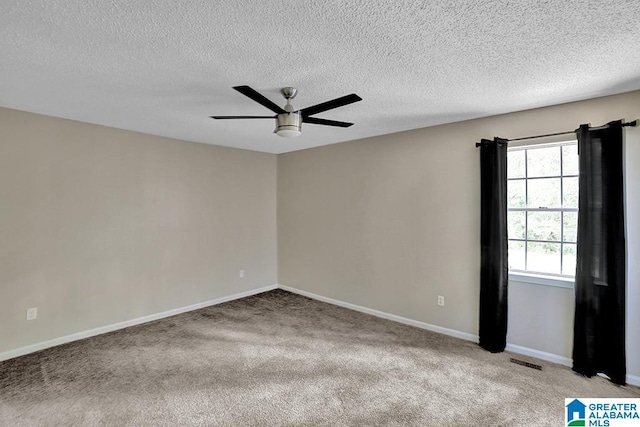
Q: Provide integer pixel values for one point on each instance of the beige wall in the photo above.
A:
(391, 222)
(99, 225)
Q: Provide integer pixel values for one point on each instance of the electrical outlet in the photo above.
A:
(32, 313)
(241, 274)
(440, 300)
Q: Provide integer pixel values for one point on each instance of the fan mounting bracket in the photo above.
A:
(289, 92)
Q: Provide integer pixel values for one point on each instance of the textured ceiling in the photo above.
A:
(163, 66)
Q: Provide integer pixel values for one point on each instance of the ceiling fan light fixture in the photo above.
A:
(288, 125)
(289, 120)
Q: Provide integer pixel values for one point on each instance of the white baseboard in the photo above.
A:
(550, 357)
(633, 380)
(383, 315)
(120, 325)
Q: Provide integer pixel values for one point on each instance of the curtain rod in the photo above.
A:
(633, 124)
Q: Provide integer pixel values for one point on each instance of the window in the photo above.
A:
(543, 209)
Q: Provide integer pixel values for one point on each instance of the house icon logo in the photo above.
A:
(576, 413)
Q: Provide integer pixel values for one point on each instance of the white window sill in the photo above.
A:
(539, 279)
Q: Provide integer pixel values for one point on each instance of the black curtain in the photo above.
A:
(599, 327)
(494, 268)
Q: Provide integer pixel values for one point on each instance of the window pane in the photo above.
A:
(570, 159)
(543, 226)
(544, 193)
(543, 257)
(570, 192)
(516, 226)
(516, 193)
(543, 162)
(535, 183)
(569, 259)
(570, 226)
(515, 164)
(516, 255)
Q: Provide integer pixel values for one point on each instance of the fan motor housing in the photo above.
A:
(288, 124)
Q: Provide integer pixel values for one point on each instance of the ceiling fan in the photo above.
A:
(289, 121)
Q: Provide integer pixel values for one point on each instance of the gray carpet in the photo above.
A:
(282, 359)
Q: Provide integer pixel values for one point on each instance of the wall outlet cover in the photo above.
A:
(32, 313)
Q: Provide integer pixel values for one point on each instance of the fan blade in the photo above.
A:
(242, 117)
(259, 98)
(326, 122)
(329, 105)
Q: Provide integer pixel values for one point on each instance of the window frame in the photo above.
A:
(543, 278)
